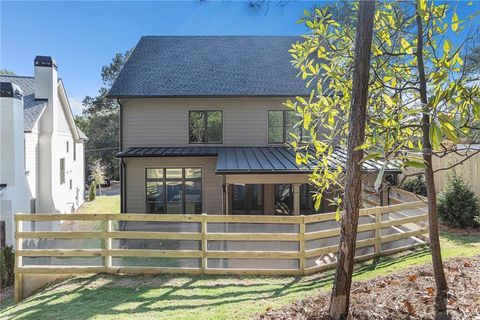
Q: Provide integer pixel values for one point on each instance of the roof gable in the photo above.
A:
(32, 108)
(170, 66)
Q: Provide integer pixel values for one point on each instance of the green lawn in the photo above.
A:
(202, 297)
(101, 204)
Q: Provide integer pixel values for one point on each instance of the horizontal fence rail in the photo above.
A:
(205, 244)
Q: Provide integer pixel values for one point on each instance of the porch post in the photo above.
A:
(226, 205)
(296, 199)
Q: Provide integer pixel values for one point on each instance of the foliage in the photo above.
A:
(98, 174)
(394, 132)
(7, 266)
(92, 191)
(5, 72)
(457, 204)
(100, 120)
(416, 186)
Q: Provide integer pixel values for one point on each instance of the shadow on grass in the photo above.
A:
(98, 295)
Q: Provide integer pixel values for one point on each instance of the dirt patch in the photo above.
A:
(406, 295)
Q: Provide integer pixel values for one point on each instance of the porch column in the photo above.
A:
(296, 199)
(226, 204)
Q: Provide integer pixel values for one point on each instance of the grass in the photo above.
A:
(101, 204)
(203, 297)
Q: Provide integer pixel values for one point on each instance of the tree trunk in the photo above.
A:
(440, 281)
(353, 184)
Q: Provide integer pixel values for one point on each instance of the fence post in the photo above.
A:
(108, 242)
(302, 244)
(204, 242)
(378, 233)
(18, 280)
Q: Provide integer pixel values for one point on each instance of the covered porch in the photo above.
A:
(231, 180)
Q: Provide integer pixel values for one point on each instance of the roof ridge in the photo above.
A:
(15, 76)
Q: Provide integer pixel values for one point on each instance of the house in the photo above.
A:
(42, 150)
(204, 128)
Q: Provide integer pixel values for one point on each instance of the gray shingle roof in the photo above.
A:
(249, 159)
(165, 66)
(32, 109)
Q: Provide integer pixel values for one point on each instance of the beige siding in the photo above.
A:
(164, 122)
(211, 183)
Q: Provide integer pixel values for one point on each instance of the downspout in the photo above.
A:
(123, 169)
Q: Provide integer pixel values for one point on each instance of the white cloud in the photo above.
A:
(76, 105)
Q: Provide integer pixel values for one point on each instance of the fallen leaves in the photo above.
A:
(405, 295)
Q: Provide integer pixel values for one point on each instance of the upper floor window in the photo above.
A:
(205, 126)
(74, 151)
(68, 146)
(62, 170)
(281, 123)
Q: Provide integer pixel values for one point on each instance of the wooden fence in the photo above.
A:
(305, 244)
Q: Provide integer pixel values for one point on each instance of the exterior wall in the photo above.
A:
(164, 122)
(13, 198)
(54, 132)
(32, 162)
(212, 193)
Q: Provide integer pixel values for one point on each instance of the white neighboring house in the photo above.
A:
(41, 148)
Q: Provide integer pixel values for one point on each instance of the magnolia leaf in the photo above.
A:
(435, 134)
(337, 214)
(406, 46)
(298, 159)
(388, 100)
(447, 46)
(455, 22)
(378, 181)
(415, 164)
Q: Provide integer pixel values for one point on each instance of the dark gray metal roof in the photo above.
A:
(248, 159)
(168, 66)
(32, 108)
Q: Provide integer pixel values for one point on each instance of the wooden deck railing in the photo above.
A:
(305, 232)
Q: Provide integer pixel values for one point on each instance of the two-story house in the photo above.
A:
(41, 148)
(204, 128)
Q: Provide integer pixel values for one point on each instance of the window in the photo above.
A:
(205, 126)
(71, 184)
(283, 199)
(68, 146)
(62, 170)
(307, 203)
(281, 123)
(74, 151)
(174, 190)
(247, 199)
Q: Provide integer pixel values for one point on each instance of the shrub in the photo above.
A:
(92, 191)
(416, 186)
(457, 204)
(7, 264)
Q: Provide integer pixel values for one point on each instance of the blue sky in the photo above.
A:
(84, 35)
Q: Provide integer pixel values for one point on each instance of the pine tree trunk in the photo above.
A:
(440, 281)
(340, 298)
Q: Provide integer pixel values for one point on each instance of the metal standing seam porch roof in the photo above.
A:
(248, 159)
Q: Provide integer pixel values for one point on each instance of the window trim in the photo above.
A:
(164, 182)
(205, 125)
(285, 135)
